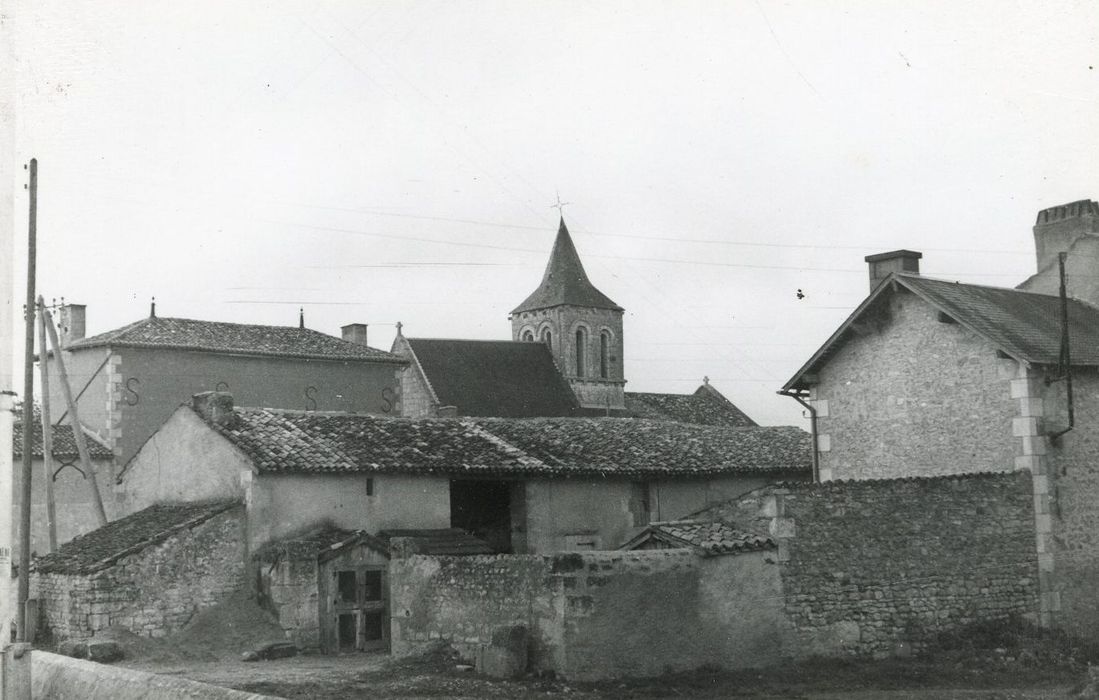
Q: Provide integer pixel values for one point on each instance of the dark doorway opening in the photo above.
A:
(483, 508)
(358, 604)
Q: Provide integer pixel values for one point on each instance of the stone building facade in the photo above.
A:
(129, 380)
(935, 377)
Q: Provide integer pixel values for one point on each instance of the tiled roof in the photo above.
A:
(708, 537)
(288, 441)
(565, 281)
(233, 338)
(1025, 325)
(442, 542)
(292, 441)
(707, 406)
(638, 447)
(505, 379)
(64, 444)
(102, 547)
(316, 543)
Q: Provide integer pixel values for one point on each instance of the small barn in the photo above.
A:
(329, 587)
(148, 573)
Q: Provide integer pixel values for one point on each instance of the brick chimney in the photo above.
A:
(894, 261)
(71, 321)
(354, 333)
(214, 406)
(1057, 228)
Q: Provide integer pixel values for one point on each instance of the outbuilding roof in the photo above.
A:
(102, 547)
(444, 542)
(64, 443)
(1024, 325)
(234, 338)
(709, 538)
(501, 378)
(565, 281)
(706, 406)
(309, 442)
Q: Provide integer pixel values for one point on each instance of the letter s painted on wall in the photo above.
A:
(389, 399)
(135, 398)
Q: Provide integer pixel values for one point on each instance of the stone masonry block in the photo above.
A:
(822, 407)
(824, 442)
(1030, 462)
(782, 528)
(1034, 445)
(1023, 388)
(1023, 426)
(1030, 406)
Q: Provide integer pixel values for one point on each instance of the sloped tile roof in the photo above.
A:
(505, 379)
(441, 542)
(233, 338)
(290, 441)
(294, 441)
(102, 547)
(706, 406)
(709, 537)
(565, 281)
(1023, 324)
(638, 447)
(316, 543)
(64, 443)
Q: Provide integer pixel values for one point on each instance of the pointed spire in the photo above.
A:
(152, 308)
(565, 281)
(301, 317)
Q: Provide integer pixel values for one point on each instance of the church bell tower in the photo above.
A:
(581, 326)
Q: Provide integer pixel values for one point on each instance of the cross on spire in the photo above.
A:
(560, 206)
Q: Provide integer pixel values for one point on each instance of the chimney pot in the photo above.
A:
(882, 264)
(1057, 228)
(215, 407)
(354, 333)
(71, 318)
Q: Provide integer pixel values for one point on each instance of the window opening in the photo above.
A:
(581, 347)
(604, 354)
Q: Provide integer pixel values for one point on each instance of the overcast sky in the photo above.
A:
(379, 162)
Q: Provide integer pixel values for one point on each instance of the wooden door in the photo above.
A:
(359, 613)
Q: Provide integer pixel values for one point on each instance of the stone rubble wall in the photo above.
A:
(869, 568)
(153, 592)
(591, 615)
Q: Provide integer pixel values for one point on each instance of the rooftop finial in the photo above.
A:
(301, 317)
(152, 308)
(399, 327)
(706, 380)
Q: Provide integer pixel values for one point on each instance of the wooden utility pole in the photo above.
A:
(74, 420)
(28, 416)
(47, 425)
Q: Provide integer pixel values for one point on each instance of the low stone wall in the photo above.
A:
(152, 592)
(869, 566)
(595, 615)
(54, 676)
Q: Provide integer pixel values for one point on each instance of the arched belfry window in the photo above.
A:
(547, 337)
(581, 349)
(528, 336)
(604, 354)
